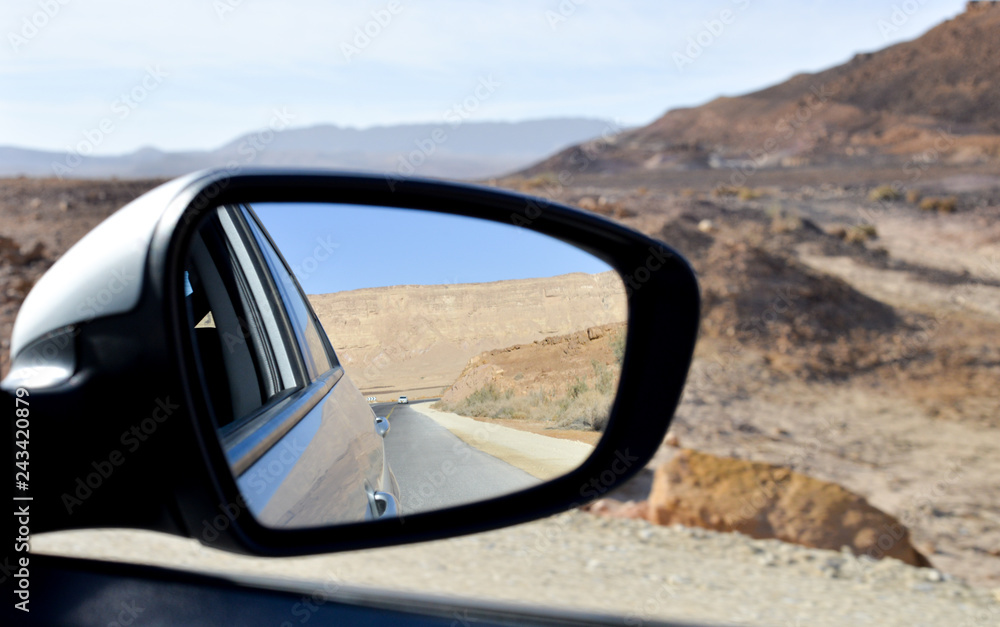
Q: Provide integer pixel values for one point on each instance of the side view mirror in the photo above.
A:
(223, 359)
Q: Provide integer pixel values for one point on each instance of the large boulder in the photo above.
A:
(764, 501)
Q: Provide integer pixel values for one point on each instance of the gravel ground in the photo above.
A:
(627, 567)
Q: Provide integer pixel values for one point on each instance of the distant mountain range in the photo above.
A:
(933, 99)
(469, 150)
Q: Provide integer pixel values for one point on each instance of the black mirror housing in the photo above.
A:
(122, 435)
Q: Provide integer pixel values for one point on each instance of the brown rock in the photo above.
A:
(765, 501)
(617, 509)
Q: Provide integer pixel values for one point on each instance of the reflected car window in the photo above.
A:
(233, 324)
(316, 350)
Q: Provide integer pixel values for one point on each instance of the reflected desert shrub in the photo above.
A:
(584, 404)
(618, 346)
(487, 402)
(588, 411)
(604, 378)
(578, 388)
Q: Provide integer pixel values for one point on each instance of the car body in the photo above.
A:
(267, 364)
(402, 400)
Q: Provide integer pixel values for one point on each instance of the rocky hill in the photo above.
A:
(934, 98)
(416, 339)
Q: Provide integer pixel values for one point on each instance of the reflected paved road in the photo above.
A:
(435, 469)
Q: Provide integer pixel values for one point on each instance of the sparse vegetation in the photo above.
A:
(941, 205)
(585, 404)
(913, 196)
(589, 411)
(545, 179)
(884, 193)
(604, 379)
(618, 346)
(743, 193)
(860, 233)
(783, 221)
(578, 388)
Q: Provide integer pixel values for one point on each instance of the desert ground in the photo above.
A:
(849, 337)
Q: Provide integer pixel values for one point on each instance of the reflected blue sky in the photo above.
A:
(333, 248)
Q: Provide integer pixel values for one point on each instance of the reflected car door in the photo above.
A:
(304, 447)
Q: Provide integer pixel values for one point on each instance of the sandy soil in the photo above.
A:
(907, 417)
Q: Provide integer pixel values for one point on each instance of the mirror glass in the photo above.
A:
(388, 361)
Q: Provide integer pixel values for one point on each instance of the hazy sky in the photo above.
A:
(383, 247)
(194, 74)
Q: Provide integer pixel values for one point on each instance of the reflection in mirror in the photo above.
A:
(417, 361)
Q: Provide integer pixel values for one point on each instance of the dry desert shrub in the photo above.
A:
(941, 205)
(585, 404)
(884, 193)
(743, 193)
(860, 233)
